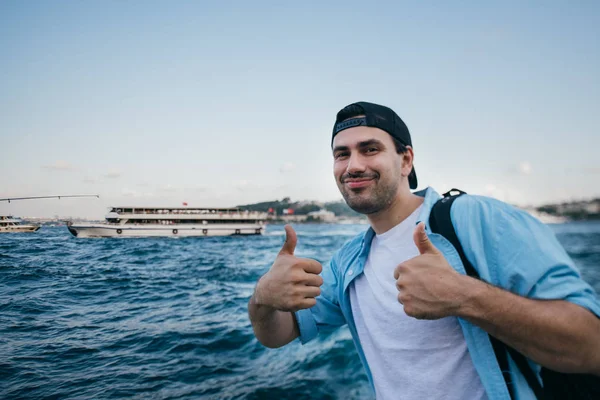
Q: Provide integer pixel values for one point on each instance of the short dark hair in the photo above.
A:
(354, 110)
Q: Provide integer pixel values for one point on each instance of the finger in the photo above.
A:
(313, 280)
(398, 271)
(422, 240)
(312, 266)
(290, 241)
(311, 291)
(399, 285)
(308, 303)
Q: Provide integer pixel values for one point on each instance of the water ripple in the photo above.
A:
(154, 318)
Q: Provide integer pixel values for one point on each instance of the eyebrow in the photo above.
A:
(362, 144)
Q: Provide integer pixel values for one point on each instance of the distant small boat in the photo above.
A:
(8, 224)
(174, 222)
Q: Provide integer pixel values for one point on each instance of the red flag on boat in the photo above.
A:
(271, 209)
(185, 203)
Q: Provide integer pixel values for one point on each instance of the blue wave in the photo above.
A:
(159, 318)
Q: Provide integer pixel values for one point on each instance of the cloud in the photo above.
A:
(287, 167)
(87, 179)
(59, 165)
(200, 189)
(525, 168)
(489, 188)
(177, 189)
(129, 192)
(245, 185)
(126, 192)
(492, 190)
(168, 189)
(113, 174)
(242, 184)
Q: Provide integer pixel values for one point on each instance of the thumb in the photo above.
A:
(422, 240)
(290, 241)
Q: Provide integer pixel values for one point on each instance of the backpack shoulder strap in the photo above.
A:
(440, 222)
(527, 372)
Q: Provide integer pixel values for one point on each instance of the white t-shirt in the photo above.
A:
(408, 358)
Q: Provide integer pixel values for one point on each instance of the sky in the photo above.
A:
(222, 103)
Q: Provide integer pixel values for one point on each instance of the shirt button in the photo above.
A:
(350, 272)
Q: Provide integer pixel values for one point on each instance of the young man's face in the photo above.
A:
(367, 168)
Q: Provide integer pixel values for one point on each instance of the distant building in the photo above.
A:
(592, 207)
(293, 218)
(322, 215)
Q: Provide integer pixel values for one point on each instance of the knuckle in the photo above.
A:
(296, 276)
(295, 293)
(288, 305)
(296, 264)
(310, 302)
(294, 304)
(404, 298)
(403, 268)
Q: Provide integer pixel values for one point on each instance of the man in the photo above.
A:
(419, 323)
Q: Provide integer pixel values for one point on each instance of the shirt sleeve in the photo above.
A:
(522, 255)
(326, 315)
(539, 267)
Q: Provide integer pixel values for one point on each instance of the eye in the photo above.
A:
(371, 150)
(340, 154)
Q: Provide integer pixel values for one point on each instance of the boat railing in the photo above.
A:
(166, 211)
(220, 214)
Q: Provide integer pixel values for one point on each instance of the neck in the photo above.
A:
(403, 205)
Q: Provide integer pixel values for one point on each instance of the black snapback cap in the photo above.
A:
(377, 116)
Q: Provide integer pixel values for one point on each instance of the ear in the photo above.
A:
(407, 161)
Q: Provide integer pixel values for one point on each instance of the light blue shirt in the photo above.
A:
(508, 247)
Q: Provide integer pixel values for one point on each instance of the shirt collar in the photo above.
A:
(430, 197)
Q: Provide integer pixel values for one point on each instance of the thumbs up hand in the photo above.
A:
(422, 241)
(429, 288)
(292, 283)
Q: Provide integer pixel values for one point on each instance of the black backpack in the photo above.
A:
(556, 385)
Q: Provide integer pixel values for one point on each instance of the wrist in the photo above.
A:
(258, 297)
(255, 300)
(472, 291)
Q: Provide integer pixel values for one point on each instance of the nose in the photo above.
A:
(356, 164)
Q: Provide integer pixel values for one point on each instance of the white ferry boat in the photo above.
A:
(8, 223)
(173, 221)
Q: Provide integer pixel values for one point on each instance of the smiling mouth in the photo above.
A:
(358, 183)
